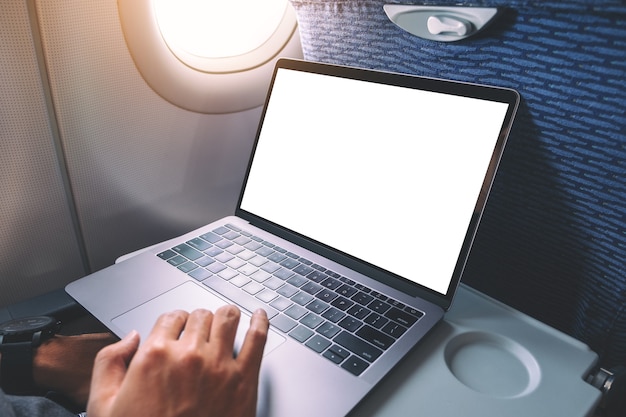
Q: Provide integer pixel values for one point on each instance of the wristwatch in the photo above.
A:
(18, 340)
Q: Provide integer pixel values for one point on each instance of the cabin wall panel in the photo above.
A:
(141, 169)
(38, 247)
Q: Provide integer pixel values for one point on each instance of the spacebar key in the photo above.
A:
(237, 296)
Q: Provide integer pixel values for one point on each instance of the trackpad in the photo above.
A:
(188, 296)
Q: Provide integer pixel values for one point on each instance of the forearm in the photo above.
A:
(64, 364)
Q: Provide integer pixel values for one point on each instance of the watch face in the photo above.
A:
(25, 324)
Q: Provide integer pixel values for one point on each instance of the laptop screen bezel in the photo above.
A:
(498, 94)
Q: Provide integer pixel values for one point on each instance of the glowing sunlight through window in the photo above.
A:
(217, 28)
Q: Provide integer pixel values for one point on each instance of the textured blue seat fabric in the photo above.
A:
(553, 239)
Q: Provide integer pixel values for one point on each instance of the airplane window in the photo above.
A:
(209, 56)
(217, 29)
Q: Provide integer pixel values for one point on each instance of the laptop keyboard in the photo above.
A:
(347, 323)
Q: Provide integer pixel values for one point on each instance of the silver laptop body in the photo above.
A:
(361, 201)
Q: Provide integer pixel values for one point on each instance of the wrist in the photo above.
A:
(19, 338)
(47, 362)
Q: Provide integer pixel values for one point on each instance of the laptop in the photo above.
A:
(362, 197)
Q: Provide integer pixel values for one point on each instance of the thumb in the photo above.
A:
(110, 367)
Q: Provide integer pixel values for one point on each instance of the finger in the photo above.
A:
(111, 364)
(198, 326)
(251, 352)
(169, 325)
(224, 329)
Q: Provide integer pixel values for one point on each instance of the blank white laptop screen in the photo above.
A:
(386, 174)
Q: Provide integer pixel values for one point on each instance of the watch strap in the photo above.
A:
(16, 367)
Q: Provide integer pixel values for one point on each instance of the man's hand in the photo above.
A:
(185, 368)
(64, 364)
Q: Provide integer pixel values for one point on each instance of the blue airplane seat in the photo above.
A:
(553, 238)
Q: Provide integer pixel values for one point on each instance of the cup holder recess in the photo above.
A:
(492, 365)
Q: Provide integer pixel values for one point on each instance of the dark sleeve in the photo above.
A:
(17, 406)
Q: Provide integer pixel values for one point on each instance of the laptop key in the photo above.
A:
(394, 329)
(311, 288)
(281, 303)
(260, 276)
(328, 329)
(334, 315)
(199, 244)
(187, 267)
(242, 240)
(336, 359)
(266, 295)
(359, 312)
(296, 312)
(301, 333)
(265, 251)
(401, 317)
(165, 255)
(239, 297)
(317, 306)
(224, 257)
(213, 251)
(273, 283)
(211, 237)
(223, 244)
(276, 257)
(302, 298)
(379, 306)
(270, 267)
(231, 235)
(362, 298)
(216, 267)
(253, 287)
(233, 227)
(375, 337)
(200, 274)
(311, 320)
(283, 274)
(290, 263)
(177, 260)
(318, 343)
(346, 291)
(205, 261)
(414, 312)
(235, 263)
(342, 303)
(188, 252)
(303, 270)
(246, 255)
(350, 323)
(357, 346)
(317, 276)
(239, 280)
(297, 280)
(327, 295)
(287, 290)
(355, 365)
(253, 246)
(283, 323)
(331, 283)
(227, 274)
(234, 249)
(376, 320)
